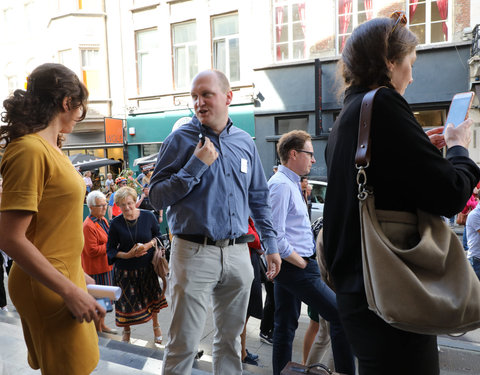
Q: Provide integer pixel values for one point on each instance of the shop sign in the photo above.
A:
(113, 130)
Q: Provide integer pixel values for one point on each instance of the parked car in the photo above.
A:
(319, 189)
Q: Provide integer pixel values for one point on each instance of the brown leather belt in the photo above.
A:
(220, 243)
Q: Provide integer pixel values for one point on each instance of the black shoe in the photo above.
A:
(266, 338)
(253, 357)
(249, 361)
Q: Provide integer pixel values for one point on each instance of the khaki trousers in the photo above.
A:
(199, 273)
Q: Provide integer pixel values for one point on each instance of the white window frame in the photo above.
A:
(289, 22)
(187, 46)
(353, 21)
(91, 65)
(153, 51)
(428, 20)
(226, 39)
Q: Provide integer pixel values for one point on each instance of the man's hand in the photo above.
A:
(206, 153)
(274, 263)
(436, 137)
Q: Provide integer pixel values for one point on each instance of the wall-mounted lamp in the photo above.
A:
(131, 131)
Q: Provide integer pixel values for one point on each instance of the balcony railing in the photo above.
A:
(476, 41)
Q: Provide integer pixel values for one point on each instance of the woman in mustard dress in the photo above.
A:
(41, 223)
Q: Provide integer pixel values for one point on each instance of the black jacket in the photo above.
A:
(406, 171)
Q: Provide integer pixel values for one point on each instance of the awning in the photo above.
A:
(145, 160)
(155, 127)
(84, 162)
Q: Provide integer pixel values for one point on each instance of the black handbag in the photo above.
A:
(293, 368)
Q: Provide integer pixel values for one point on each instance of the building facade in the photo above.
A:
(137, 57)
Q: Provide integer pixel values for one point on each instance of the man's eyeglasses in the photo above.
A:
(100, 205)
(400, 18)
(306, 152)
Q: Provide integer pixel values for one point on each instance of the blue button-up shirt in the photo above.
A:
(290, 214)
(215, 200)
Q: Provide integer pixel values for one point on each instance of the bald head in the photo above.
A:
(222, 80)
(211, 96)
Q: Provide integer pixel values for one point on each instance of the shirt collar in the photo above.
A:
(289, 173)
(205, 129)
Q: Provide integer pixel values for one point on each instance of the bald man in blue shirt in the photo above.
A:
(210, 176)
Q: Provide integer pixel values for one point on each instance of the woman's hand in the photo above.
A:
(89, 280)
(137, 251)
(436, 137)
(83, 306)
(460, 135)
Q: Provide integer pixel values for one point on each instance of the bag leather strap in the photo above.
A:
(362, 156)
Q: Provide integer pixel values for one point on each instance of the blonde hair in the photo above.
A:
(123, 193)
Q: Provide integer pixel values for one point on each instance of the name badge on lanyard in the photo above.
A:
(243, 166)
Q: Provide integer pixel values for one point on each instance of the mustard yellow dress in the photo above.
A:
(38, 178)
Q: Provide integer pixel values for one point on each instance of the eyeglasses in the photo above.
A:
(306, 152)
(399, 17)
(100, 205)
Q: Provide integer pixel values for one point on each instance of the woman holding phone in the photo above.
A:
(407, 172)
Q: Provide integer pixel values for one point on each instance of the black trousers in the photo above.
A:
(3, 295)
(266, 325)
(382, 349)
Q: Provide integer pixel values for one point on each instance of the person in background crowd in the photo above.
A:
(3, 262)
(471, 204)
(143, 202)
(407, 172)
(130, 246)
(267, 323)
(307, 194)
(87, 177)
(275, 170)
(94, 254)
(299, 279)
(316, 342)
(255, 307)
(473, 237)
(113, 209)
(147, 178)
(41, 223)
(140, 177)
(211, 195)
(109, 183)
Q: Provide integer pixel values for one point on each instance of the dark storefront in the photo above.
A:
(286, 95)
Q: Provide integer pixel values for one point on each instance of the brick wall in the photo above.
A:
(461, 18)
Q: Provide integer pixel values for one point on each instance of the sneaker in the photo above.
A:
(199, 354)
(249, 361)
(267, 338)
(251, 356)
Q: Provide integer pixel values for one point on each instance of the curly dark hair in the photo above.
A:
(370, 47)
(32, 110)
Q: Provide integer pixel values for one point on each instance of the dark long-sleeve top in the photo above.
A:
(216, 200)
(122, 237)
(407, 172)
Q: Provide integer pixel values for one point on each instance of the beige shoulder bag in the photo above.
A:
(416, 275)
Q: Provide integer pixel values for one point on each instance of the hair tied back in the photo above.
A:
(30, 84)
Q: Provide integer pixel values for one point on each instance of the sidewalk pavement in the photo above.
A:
(458, 355)
(142, 336)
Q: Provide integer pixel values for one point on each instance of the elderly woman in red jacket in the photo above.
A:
(94, 254)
